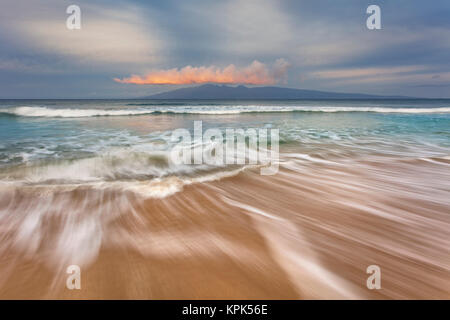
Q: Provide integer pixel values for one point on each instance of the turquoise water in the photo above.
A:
(97, 140)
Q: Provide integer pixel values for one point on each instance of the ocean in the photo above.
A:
(66, 132)
(360, 182)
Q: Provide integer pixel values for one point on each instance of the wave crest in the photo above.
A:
(26, 111)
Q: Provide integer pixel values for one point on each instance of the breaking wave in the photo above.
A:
(26, 111)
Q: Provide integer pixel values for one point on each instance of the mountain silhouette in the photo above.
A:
(224, 92)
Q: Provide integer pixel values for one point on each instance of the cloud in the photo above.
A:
(402, 74)
(366, 72)
(109, 34)
(256, 73)
(253, 26)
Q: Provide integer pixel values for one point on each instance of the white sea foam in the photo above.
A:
(26, 111)
(71, 113)
(148, 173)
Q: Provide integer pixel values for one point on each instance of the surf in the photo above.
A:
(47, 112)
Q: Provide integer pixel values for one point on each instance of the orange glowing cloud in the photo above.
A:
(256, 73)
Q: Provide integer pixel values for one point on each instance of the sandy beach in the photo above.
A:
(305, 233)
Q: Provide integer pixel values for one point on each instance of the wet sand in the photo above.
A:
(308, 232)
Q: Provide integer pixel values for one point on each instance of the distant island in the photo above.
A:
(224, 92)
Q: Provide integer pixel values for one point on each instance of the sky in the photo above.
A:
(128, 49)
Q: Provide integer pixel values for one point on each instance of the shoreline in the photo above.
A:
(233, 239)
